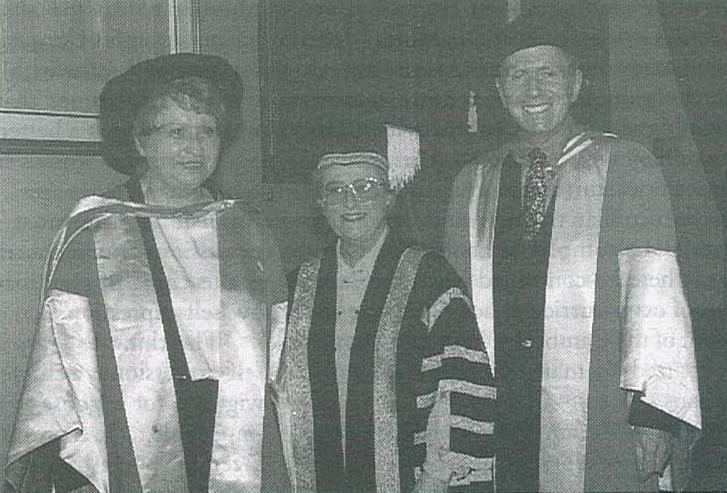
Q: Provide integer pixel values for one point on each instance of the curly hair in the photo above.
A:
(190, 93)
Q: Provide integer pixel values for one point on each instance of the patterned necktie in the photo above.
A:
(535, 193)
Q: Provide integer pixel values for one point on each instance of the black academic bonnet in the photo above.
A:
(124, 96)
(357, 135)
(389, 144)
(539, 28)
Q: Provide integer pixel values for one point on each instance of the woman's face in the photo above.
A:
(356, 219)
(181, 148)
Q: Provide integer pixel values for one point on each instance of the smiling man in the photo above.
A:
(566, 238)
(384, 383)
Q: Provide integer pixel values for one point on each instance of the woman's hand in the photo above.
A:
(428, 483)
(438, 472)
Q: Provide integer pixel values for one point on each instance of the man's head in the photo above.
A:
(539, 78)
(354, 195)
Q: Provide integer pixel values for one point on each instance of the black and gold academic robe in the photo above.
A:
(416, 347)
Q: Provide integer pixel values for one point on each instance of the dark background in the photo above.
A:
(306, 64)
(416, 61)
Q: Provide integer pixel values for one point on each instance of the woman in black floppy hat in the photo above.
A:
(163, 307)
(144, 109)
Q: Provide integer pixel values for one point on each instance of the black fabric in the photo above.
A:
(123, 472)
(274, 475)
(519, 281)
(45, 471)
(642, 414)
(330, 473)
(358, 474)
(360, 466)
(196, 399)
(415, 342)
(196, 406)
(412, 347)
(553, 27)
(456, 326)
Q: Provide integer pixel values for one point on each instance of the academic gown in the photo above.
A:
(588, 318)
(100, 409)
(416, 348)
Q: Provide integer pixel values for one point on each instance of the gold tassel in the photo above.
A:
(403, 155)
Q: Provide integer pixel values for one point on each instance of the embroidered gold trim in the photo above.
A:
(449, 352)
(386, 447)
(478, 464)
(430, 317)
(474, 426)
(483, 391)
(277, 338)
(297, 377)
(427, 400)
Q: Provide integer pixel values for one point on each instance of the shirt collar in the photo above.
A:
(366, 264)
(552, 143)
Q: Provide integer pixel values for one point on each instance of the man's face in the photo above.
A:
(355, 218)
(538, 85)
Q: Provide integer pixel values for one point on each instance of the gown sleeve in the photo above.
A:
(459, 388)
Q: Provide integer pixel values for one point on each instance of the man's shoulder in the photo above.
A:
(629, 157)
(617, 142)
(632, 148)
(624, 152)
(485, 161)
(494, 156)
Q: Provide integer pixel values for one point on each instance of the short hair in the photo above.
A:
(190, 93)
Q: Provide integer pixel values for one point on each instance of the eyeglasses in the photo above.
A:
(181, 132)
(363, 189)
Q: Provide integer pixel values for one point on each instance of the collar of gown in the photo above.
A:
(551, 143)
(366, 264)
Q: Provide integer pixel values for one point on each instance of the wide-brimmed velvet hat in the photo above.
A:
(125, 95)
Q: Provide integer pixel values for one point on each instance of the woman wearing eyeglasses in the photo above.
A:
(384, 383)
(150, 360)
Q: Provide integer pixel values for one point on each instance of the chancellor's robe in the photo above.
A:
(99, 411)
(601, 317)
(419, 377)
